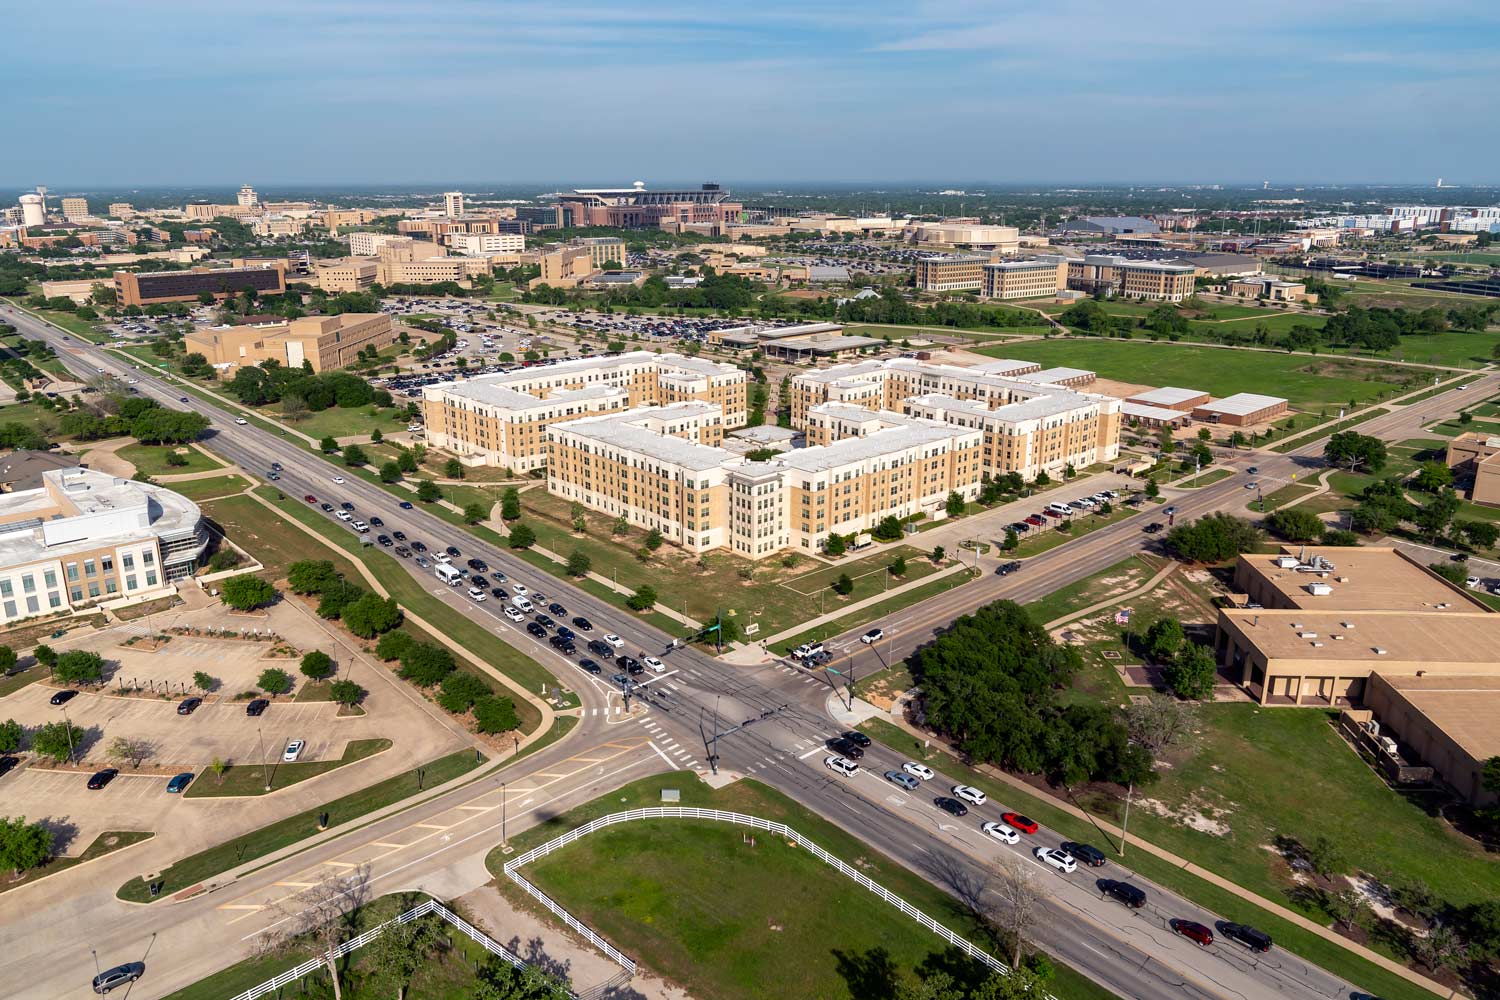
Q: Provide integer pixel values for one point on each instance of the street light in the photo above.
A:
(261, 745)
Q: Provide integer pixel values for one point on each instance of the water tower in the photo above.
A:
(31, 210)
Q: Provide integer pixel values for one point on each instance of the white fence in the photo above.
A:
(720, 816)
(432, 906)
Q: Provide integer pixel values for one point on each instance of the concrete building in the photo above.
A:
(1170, 397)
(33, 215)
(1031, 420)
(802, 342)
(1024, 279)
(430, 271)
(349, 275)
(486, 244)
(325, 342)
(247, 198)
(83, 538)
(121, 210)
(1114, 275)
(75, 209)
(565, 267)
(23, 470)
(1448, 722)
(1472, 456)
(967, 236)
(335, 219)
(1243, 409)
(636, 207)
(951, 272)
(501, 419)
(453, 204)
(1269, 288)
(147, 288)
(1109, 225)
(369, 244)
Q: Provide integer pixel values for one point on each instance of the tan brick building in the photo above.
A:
(1473, 455)
(1109, 274)
(1025, 279)
(951, 272)
(325, 342)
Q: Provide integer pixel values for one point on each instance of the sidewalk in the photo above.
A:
(1213, 879)
(1110, 602)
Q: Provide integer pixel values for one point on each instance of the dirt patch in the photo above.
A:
(1111, 387)
(1195, 814)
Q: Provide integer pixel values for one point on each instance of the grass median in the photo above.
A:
(253, 779)
(106, 843)
(874, 612)
(195, 868)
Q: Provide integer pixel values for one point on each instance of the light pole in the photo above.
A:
(502, 813)
(261, 746)
(68, 728)
(1125, 824)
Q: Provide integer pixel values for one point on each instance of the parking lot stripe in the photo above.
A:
(340, 864)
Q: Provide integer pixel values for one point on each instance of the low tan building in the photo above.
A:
(1270, 289)
(1474, 455)
(324, 342)
(1450, 723)
(1170, 397)
(352, 275)
(1109, 274)
(1025, 279)
(1243, 409)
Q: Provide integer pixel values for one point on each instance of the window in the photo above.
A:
(149, 557)
(89, 569)
(54, 600)
(32, 605)
(5, 588)
(93, 588)
(10, 609)
(107, 564)
(110, 586)
(130, 582)
(28, 583)
(77, 593)
(72, 572)
(150, 577)
(49, 577)
(129, 561)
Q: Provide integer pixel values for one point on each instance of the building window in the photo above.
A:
(54, 600)
(129, 561)
(93, 588)
(89, 569)
(107, 564)
(49, 577)
(130, 582)
(32, 605)
(77, 593)
(150, 577)
(5, 588)
(28, 583)
(148, 557)
(72, 572)
(10, 609)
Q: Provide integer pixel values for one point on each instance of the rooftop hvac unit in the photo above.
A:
(1379, 650)
(1335, 636)
(1286, 562)
(1307, 635)
(1347, 624)
(1319, 589)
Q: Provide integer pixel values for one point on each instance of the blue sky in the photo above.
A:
(280, 92)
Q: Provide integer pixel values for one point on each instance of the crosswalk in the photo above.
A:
(806, 677)
(666, 747)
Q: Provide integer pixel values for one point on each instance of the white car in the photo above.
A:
(513, 614)
(842, 765)
(970, 794)
(916, 770)
(873, 636)
(241, 421)
(1002, 833)
(520, 589)
(614, 640)
(360, 527)
(343, 515)
(1057, 858)
(1472, 582)
(293, 751)
(477, 594)
(654, 664)
(339, 480)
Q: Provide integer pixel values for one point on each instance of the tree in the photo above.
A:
(390, 472)
(1325, 857)
(955, 505)
(124, 750)
(454, 469)
(510, 504)
(1016, 899)
(371, 615)
(843, 586)
(311, 576)
(346, 693)
(1012, 540)
(1157, 722)
(393, 645)
(835, 545)
(56, 740)
(1432, 476)
(323, 915)
(1296, 524)
(1346, 906)
(337, 596)
(426, 664)
(499, 980)
(1192, 672)
(1434, 516)
(246, 592)
(12, 736)
(1163, 639)
(938, 554)
(644, 598)
(1213, 538)
(218, 766)
(1353, 449)
(1440, 948)
(399, 951)
(428, 492)
(474, 513)
(579, 563)
(1152, 489)
(460, 690)
(274, 681)
(23, 845)
(377, 436)
(521, 536)
(619, 527)
(888, 530)
(406, 461)
(317, 664)
(328, 445)
(45, 655)
(495, 715)
(355, 456)
(653, 540)
(7, 659)
(79, 666)
(898, 566)
(1479, 534)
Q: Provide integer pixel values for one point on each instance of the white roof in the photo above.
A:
(1166, 396)
(1242, 403)
(1143, 412)
(1051, 376)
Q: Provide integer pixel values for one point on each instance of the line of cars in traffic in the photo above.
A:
(848, 748)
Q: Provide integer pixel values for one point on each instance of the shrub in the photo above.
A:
(644, 598)
(579, 563)
(393, 645)
(521, 536)
(274, 681)
(79, 666)
(346, 692)
(495, 715)
(247, 592)
(425, 664)
(460, 690)
(317, 664)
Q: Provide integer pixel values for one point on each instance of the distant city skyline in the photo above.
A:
(899, 93)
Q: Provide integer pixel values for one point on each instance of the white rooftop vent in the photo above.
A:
(1296, 624)
(1317, 644)
(1335, 636)
(1379, 650)
(1347, 624)
(1445, 604)
(1319, 589)
(1307, 635)
(1286, 562)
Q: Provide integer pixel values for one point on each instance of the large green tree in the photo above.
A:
(246, 592)
(23, 845)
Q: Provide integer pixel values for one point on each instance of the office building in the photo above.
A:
(1472, 457)
(369, 244)
(145, 289)
(1114, 275)
(636, 207)
(247, 198)
(486, 244)
(453, 204)
(75, 209)
(800, 342)
(499, 419)
(950, 272)
(1024, 279)
(335, 219)
(348, 275)
(121, 210)
(82, 538)
(324, 342)
(1269, 288)
(967, 236)
(206, 212)
(429, 271)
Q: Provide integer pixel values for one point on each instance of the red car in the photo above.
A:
(310, 498)
(1036, 519)
(1052, 513)
(1194, 931)
(1023, 823)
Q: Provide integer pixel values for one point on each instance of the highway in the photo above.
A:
(1130, 952)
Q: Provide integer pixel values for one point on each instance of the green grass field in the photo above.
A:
(1122, 577)
(1309, 383)
(152, 459)
(213, 486)
(245, 778)
(338, 422)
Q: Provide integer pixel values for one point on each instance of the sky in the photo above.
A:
(180, 92)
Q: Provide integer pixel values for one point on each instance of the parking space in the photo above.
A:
(76, 815)
(234, 663)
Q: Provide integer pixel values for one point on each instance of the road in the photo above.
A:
(1129, 952)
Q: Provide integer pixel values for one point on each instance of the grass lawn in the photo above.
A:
(105, 843)
(245, 778)
(1121, 578)
(355, 421)
(270, 538)
(68, 321)
(690, 902)
(13, 682)
(1286, 494)
(152, 459)
(31, 415)
(1309, 383)
(1205, 479)
(874, 612)
(214, 486)
(1040, 540)
(1041, 808)
(195, 868)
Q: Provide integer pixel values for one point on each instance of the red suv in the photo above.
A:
(1194, 931)
(1023, 823)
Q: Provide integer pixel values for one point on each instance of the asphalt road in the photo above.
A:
(1129, 952)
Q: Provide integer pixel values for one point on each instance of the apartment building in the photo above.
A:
(84, 538)
(75, 209)
(1024, 279)
(484, 244)
(951, 272)
(501, 419)
(653, 467)
(1032, 420)
(324, 342)
(147, 288)
(369, 244)
(335, 219)
(350, 275)
(1109, 274)
(121, 210)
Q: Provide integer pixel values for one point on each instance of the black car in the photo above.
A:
(856, 737)
(544, 621)
(535, 629)
(635, 668)
(585, 663)
(452, 550)
(1254, 470)
(327, 507)
(845, 748)
(562, 643)
(275, 466)
(498, 593)
(403, 551)
(8, 764)
(257, 706)
(346, 505)
(1251, 937)
(1153, 527)
(1006, 569)
(63, 697)
(419, 546)
(557, 609)
(384, 540)
(1084, 853)
(583, 624)
(952, 806)
(188, 705)
(377, 522)
(400, 536)
(102, 778)
(479, 580)
(566, 632)
(118, 976)
(1132, 896)
(601, 648)
(479, 565)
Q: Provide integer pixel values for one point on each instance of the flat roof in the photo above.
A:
(1362, 579)
(1166, 396)
(1242, 403)
(624, 430)
(1006, 366)
(1457, 640)
(848, 450)
(1463, 707)
(1143, 412)
(1051, 376)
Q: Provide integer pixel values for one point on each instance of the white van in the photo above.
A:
(521, 604)
(448, 574)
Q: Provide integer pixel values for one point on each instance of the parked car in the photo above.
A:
(1001, 832)
(1132, 896)
(8, 764)
(63, 697)
(293, 751)
(973, 795)
(1085, 853)
(1253, 938)
(916, 770)
(120, 975)
(1023, 823)
(951, 806)
(1193, 931)
(101, 778)
(1055, 858)
(256, 706)
(902, 779)
(188, 705)
(180, 781)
